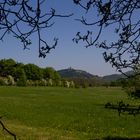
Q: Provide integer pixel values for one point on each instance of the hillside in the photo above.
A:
(74, 73)
(113, 77)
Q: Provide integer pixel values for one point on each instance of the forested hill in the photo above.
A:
(112, 77)
(74, 73)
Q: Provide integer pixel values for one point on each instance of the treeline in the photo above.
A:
(96, 82)
(19, 74)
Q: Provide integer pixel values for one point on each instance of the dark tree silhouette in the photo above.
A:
(6, 130)
(22, 18)
(123, 15)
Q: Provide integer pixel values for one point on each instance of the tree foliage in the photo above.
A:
(5, 67)
(132, 85)
(21, 81)
(21, 74)
(33, 72)
(50, 73)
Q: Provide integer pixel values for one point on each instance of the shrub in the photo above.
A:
(21, 81)
(42, 82)
(11, 81)
(50, 82)
(2, 82)
(132, 86)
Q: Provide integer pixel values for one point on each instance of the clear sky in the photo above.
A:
(67, 54)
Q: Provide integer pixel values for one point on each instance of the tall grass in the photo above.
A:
(38, 113)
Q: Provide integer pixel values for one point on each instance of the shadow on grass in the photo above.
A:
(120, 138)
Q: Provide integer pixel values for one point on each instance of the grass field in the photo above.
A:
(37, 113)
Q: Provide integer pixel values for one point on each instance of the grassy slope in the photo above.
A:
(65, 114)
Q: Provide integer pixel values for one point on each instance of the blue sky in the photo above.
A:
(67, 54)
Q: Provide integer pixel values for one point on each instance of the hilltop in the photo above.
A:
(74, 73)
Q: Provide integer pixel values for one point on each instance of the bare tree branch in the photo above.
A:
(124, 52)
(8, 131)
(22, 19)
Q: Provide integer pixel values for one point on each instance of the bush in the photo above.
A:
(132, 87)
(21, 81)
(11, 81)
(50, 82)
(2, 82)
(136, 93)
(42, 82)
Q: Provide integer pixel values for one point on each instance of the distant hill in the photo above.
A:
(74, 73)
(113, 77)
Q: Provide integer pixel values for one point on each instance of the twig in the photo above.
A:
(8, 131)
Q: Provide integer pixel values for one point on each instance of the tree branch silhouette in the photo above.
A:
(8, 131)
(22, 19)
(122, 14)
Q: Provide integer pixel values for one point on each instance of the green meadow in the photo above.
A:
(50, 113)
